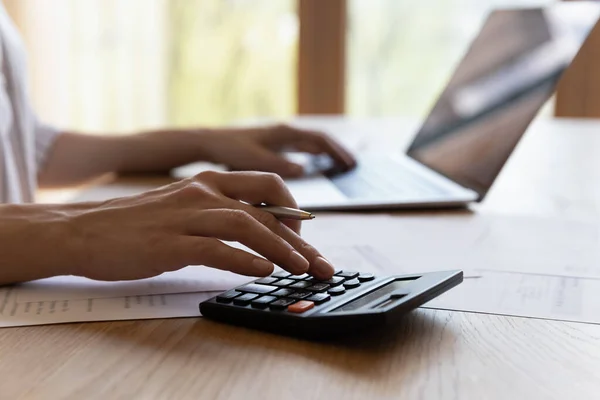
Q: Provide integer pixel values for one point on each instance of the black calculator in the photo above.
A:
(349, 302)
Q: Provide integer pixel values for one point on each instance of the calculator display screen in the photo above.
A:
(379, 292)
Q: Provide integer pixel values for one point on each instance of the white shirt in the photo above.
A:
(24, 141)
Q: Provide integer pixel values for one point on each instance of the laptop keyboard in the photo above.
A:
(383, 178)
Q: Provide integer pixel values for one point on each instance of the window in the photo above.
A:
(121, 65)
(231, 60)
(113, 65)
(401, 53)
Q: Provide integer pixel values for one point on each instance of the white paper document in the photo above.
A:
(74, 299)
(514, 265)
(526, 295)
(187, 280)
(104, 309)
(174, 294)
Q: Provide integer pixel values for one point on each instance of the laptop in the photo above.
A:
(508, 73)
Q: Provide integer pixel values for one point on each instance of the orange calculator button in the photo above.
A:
(301, 306)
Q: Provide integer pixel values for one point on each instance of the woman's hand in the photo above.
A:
(181, 224)
(259, 149)
(77, 158)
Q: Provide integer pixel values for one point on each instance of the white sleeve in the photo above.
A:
(45, 135)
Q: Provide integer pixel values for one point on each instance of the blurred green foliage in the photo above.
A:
(401, 53)
(231, 59)
(236, 59)
(121, 65)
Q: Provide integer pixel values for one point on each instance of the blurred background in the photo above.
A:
(123, 65)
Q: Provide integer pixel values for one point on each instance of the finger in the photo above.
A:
(216, 254)
(253, 187)
(319, 267)
(266, 160)
(293, 224)
(333, 149)
(235, 225)
(257, 188)
(317, 142)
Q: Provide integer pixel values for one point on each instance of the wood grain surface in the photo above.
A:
(434, 354)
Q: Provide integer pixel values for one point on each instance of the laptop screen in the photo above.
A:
(509, 72)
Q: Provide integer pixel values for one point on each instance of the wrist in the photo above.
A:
(159, 151)
(37, 242)
(67, 234)
(61, 243)
(191, 144)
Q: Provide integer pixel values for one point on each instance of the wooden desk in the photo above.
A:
(433, 355)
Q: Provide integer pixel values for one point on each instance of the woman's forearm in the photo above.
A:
(77, 158)
(35, 243)
(163, 230)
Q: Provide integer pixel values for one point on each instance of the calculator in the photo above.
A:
(350, 302)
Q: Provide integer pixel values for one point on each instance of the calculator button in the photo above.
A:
(227, 296)
(319, 298)
(300, 294)
(351, 284)
(301, 285)
(335, 291)
(347, 274)
(366, 276)
(334, 281)
(283, 292)
(318, 287)
(260, 289)
(245, 299)
(266, 281)
(283, 282)
(281, 274)
(299, 277)
(262, 301)
(281, 304)
(301, 306)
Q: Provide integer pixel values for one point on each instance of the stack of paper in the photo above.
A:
(513, 265)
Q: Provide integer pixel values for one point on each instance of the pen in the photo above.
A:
(287, 212)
